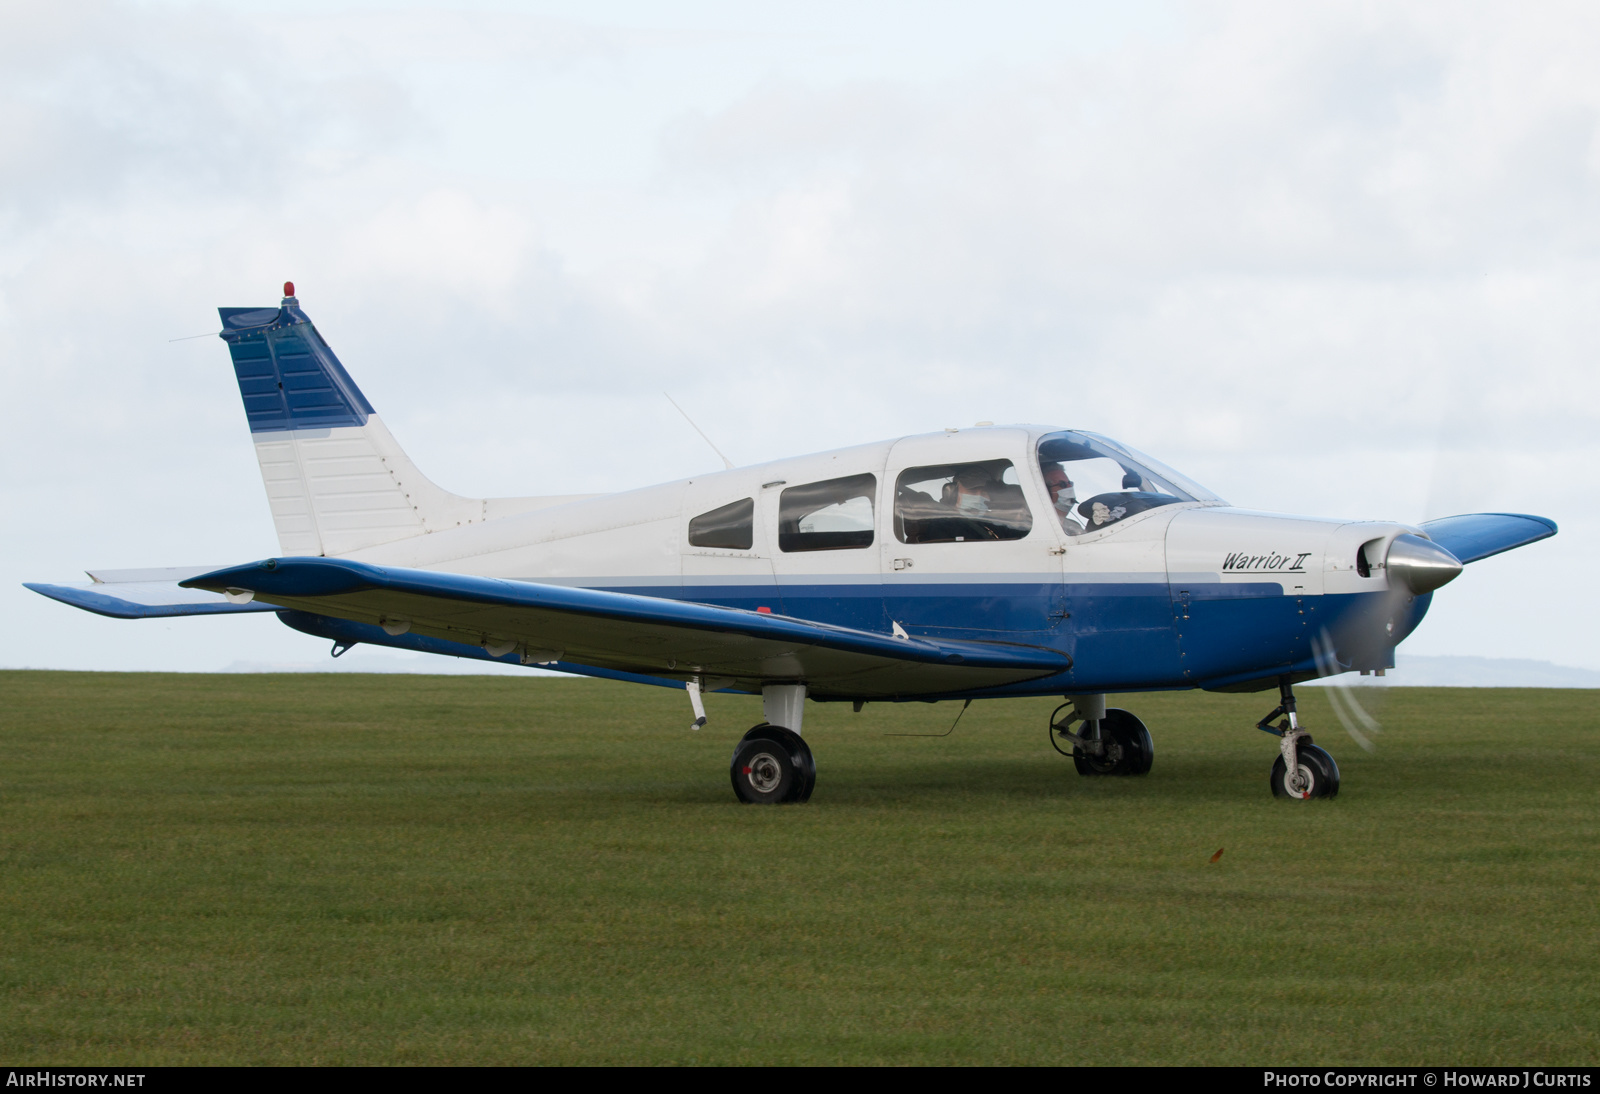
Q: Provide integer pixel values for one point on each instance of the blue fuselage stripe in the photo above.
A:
(1121, 636)
(1126, 635)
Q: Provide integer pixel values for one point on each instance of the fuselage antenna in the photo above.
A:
(725, 461)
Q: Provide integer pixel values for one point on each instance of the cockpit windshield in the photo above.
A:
(1095, 482)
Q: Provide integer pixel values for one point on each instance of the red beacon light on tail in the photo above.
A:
(288, 288)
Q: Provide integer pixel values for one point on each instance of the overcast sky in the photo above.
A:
(1327, 259)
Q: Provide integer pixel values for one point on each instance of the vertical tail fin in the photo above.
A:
(336, 480)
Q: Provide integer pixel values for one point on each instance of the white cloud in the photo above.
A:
(1333, 258)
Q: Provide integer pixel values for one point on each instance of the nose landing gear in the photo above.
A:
(1302, 770)
(1317, 776)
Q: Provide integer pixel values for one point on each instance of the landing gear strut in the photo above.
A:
(1302, 770)
(1111, 742)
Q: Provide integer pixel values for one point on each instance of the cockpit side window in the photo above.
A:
(960, 503)
(730, 527)
(832, 515)
(1094, 482)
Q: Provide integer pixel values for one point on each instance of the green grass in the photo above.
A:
(383, 869)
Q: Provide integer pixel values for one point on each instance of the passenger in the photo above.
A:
(1063, 495)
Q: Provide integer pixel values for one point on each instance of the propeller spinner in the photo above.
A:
(1420, 565)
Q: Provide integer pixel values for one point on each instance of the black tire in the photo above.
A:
(1316, 764)
(1134, 751)
(1138, 750)
(771, 765)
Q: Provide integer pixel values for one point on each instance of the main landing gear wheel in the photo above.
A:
(1319, 775)
(772, 765)
(1128, 747)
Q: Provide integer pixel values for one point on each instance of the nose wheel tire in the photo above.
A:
(1129, 749)
(771, 766)
(1318, 773)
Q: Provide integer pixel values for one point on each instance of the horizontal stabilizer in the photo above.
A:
(144, 594)
(1475, 536)
(639, 634)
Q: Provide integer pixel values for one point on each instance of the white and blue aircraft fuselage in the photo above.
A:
(977, 563)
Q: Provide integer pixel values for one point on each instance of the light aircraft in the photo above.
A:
(966, 564)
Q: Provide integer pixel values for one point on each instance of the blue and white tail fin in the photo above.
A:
(336, 479)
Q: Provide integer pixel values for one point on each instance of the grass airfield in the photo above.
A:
(357, 869)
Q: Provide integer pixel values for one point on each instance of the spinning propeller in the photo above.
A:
(1356, 719)
(1412, 567)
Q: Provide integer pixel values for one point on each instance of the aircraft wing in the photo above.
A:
(638, 634)
(144, 594)
(1476, 536)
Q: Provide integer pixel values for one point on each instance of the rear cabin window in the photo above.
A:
(960, 503)
(827, 516)
(731, 527)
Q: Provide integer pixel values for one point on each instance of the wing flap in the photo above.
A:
(638, 634)
(1475, 536)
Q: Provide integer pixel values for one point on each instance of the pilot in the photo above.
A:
(973, 490)
(1063, 496)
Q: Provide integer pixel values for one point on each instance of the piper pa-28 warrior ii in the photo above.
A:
(972, 564)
